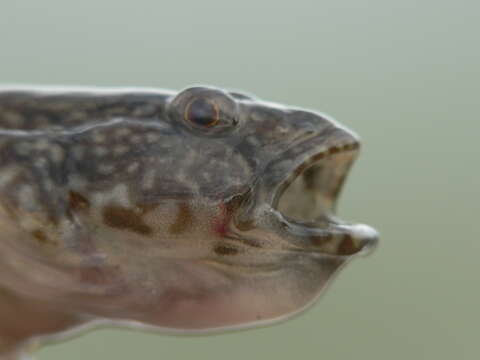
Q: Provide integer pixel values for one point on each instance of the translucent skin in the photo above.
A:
(194, 212)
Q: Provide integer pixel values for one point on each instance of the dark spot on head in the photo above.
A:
(183, 221)
(123, 218)
(42, 238)
(352, 146)
(319, 156)
(334, 149)
(225, 250)
(320, 240)
(77, 201)
(347, 246)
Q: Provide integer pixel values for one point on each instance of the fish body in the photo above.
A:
(187, 212)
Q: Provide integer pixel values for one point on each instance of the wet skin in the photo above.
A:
(196, 211)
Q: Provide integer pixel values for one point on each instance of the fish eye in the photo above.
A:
(202, 112)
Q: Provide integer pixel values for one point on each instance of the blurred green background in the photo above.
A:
(404, 74)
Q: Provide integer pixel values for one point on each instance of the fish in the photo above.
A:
(198, 211)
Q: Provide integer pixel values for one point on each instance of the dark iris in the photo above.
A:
(202, 113)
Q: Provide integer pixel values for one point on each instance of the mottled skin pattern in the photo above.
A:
(131, 207)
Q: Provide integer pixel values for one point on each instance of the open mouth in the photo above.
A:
(311, 190)
(306, 198)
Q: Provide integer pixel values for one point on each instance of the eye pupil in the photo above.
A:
(202, 113)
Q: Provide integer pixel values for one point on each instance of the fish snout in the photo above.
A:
(357, 239)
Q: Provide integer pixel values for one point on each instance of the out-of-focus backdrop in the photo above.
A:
(404, 74)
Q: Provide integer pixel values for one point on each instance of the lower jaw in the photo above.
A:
(325, 235)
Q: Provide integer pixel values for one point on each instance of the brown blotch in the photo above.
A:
(334, 150)
(77, 201)
(183, 221)
(318, 156)
(320, 240)
(123, 218)
(225, 250)
(42, 238)
(354, 146)
(347, 246)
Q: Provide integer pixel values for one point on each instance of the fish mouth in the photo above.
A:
(312, 188)
(306, 195)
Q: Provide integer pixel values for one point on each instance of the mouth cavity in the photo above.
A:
(310, 191)
(307, 198)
